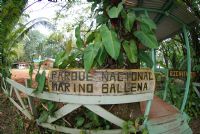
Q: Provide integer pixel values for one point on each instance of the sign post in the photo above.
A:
(102, 82)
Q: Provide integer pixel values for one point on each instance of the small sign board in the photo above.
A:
(102, 82)
(181, 74)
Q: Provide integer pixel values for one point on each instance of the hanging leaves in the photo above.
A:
(90, 38)
(101, 19)
(146, 20)
(89, 55)
(145, 28)
(148, 40)
(61, 59)
(40, 79)
(110, 41)
(101, 56)
(114, 11)
(146, 59)
(131, 50)
(129, 20)
(79, 41)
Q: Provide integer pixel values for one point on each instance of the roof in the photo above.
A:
(166, 26)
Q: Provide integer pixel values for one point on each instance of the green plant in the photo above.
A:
(130, 127)
(46, 108)
(90, 120)
(19, 128)
(175, 97)
(116, 38)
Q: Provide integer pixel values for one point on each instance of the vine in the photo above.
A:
(121, 35)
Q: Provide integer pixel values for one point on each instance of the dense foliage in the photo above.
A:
(120, 39)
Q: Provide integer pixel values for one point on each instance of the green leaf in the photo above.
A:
(146, 59)
(101, 57)
(89, 56)
(50, 105)
(41, 82)
(121, 60)
(79, 41)
(90, 38)
(114, 11)
(110, 41)
(61, 60)
(146, 20)
(129, 20)
(79, 121)
(43, 117)
(77, 32)
(131, 50)
(147, 40)
(145, 28)
(101, 19)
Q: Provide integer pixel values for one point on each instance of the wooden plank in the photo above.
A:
(176, 126)
(181, 74)
(19, 98)
(164, 124)
(76, 99)
(24, 111)
(4, 87)
(197, 91)
(31, 105)
(62, 112)
(11, 89)
(105, 114)
(187, 131)
(160, 120)
(178, 130)
(196, 84)
(78, 131)
(102, 82)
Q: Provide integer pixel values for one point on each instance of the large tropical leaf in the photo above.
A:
(110, 41)
(145, 28)
(90, 38)
(129, 20)
(79, 41)
(148, 40)
(131, 50)
(114, 11)
(144, 57)
(101, 19)
(89, 56)
(101, 55)
(40, 79)
(146, 20)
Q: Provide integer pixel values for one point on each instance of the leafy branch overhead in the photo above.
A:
(118, 36)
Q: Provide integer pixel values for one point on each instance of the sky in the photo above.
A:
(48, 10)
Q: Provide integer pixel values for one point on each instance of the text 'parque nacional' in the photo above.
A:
(102, 82)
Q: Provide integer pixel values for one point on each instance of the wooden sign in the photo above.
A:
(102, 82)
(181, 74)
